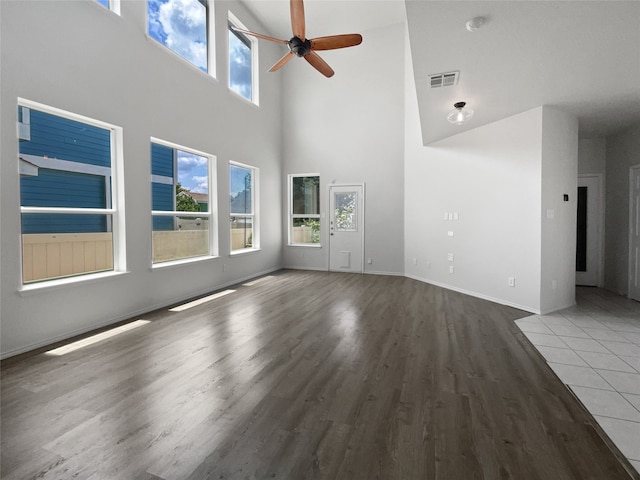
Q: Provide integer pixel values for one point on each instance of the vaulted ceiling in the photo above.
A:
(579, 56)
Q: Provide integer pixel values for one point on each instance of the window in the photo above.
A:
(304, 209)
(113, 5)
(243, 193)
(183, 26)
(182, 202)
(69, 178)
(242, 62)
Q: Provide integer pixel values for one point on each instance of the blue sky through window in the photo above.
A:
(239, 66)
(104, 3)
(193, 172)
(180, 25)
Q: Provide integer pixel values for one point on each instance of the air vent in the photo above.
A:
(448, 79)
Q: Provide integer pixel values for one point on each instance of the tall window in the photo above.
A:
(242, 62)
(304, 209)
(243, 184)
(70, 170)
(182, 202)
(183, 26)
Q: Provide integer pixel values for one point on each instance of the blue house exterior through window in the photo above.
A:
(71, 223)
(74, 161)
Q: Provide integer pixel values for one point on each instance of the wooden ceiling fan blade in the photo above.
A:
(278, 65)
(336, 41)
(319, 64)
(259, 35)
(297, 19)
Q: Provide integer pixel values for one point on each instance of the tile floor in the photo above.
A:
(594, 348)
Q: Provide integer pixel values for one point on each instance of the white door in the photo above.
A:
(588, 237)
(346, 228)
(634, 235)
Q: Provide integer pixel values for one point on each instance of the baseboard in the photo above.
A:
(476, 294)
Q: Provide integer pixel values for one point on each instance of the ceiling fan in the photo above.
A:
(304, 47)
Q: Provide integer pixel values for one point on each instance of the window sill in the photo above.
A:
(48, 285)
(243, 98)
(310, 245)
(244, 250)
(182, 261)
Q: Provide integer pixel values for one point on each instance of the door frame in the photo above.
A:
(330, 215)
(631, 265)
(599, 177)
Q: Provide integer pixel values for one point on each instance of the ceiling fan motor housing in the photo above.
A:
(299, 47)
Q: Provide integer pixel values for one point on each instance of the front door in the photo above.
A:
(588, 231)
(634, 235)
(346, 228)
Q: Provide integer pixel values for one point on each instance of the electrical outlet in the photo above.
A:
(450, 257)
(415, 261)
(511, 281)
(369, 261)
(428, 264)
(451, 269)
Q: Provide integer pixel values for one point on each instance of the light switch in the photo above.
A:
(450, 233)
(455, 215)
(450, 257)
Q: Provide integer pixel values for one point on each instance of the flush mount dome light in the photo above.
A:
(459, 114)
(474, 23)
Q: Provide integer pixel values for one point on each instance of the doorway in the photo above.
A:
(634, 233)
(346, 228)
(589, 231)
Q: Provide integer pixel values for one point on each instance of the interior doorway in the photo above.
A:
(346, 228)
(589, 231)
(634, 233)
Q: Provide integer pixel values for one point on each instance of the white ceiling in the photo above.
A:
(580, 56)
(328, 17)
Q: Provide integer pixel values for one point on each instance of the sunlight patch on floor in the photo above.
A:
(72, 347)
(200, 301)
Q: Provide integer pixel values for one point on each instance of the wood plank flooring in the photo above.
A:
(304, 375)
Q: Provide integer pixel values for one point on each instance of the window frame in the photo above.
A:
(252, 43)
(209, 35)
(115, 207)
(255, 221)
(211, 214)
(293, 216)
(112, 5)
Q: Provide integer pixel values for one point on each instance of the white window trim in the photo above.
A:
(116, 210)
(114, 6)
(211, 215)
(291, 176)
(255, 208)
(255, 67)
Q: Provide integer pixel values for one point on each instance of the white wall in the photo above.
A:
(500, 179)
(623, 151)
(559, 177)
(592, 155)
(78, 56)
(349, 128)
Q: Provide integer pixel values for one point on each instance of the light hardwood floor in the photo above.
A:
(305, 375)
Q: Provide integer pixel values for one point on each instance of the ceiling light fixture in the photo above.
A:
(474, 23)
(459, 114)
